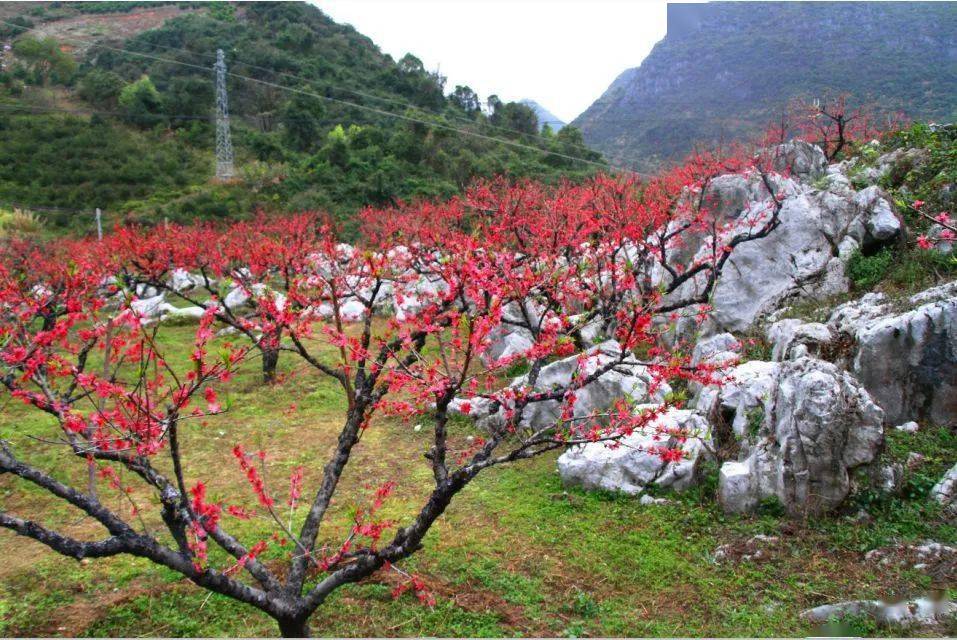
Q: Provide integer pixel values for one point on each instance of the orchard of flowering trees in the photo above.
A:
(402, 321)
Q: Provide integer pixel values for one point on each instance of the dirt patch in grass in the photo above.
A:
(75, 618)
(470, 597)
(113, 26)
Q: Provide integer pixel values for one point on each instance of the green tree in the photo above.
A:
(515, 116)
(100, 88)
(141, 102)
(301, 119)
(466, 100)
(45, 59)
(188, 96)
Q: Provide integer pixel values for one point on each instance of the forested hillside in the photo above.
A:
(727, 68)
(110, 105)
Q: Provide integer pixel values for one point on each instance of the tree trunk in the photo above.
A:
(270, 360)
(294, 627)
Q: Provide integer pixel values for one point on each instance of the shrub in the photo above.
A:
(18, 222)
(867, 271)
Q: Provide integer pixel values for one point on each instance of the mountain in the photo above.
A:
(544, 116)
(725, 68)
(110, 105)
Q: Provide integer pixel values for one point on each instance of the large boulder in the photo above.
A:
(908, 360)
(512, 337)
(628, 381)
(876, 223)
(799, 159)
(903, 352)
(409, 300)
(181, 280)
(720, 349)
(351, 309)
(818, 425)
(792, 339)
(152, 308)
(797, 259)
(633, 463)
(743, 399)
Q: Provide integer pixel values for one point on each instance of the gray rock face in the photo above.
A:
(945, 491)
(721, 348)
(410, 300)
(942, 238)
(181, 280)
(804, 257)
(797, 258)
(629, 381)
(819, 424)
(793, 339)
(745, 394)
(800, 159)
(632, 465)
(148, 309)
(508, 339)
(235, 298)
(909, 362)
(876, 216)
(906, 359)
(898, 161)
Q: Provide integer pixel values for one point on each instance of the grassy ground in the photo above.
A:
(516, 554)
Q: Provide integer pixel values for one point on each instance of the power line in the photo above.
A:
(85, 112)
(328, 85)
(387, 99)
(149, 116)
(348, 103)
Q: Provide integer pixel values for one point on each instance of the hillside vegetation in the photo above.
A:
(725, 68)
(89, 124)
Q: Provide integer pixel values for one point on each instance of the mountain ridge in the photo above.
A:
(545, 117)
(725, 68)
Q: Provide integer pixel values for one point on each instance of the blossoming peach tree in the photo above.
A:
(402, 322)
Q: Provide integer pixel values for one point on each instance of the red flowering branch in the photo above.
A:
(427, 314)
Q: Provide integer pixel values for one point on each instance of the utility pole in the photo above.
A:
(224, 142)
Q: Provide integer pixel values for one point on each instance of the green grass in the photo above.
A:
(516, 553)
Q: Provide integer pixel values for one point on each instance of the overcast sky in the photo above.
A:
(560, 53)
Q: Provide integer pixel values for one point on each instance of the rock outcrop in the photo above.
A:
(631, 465)
(818, 425)
(629, 381)
(908, 362)
(905, 353)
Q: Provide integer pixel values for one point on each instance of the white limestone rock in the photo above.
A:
(876, 217)
(631, 465)
(803, 160)
(792, 339)
(908, 427)
(747, 389)
(819, 424)
(920, 612)
(945, 491)
(908, 361)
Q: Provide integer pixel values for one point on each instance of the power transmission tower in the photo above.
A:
(224, 142)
